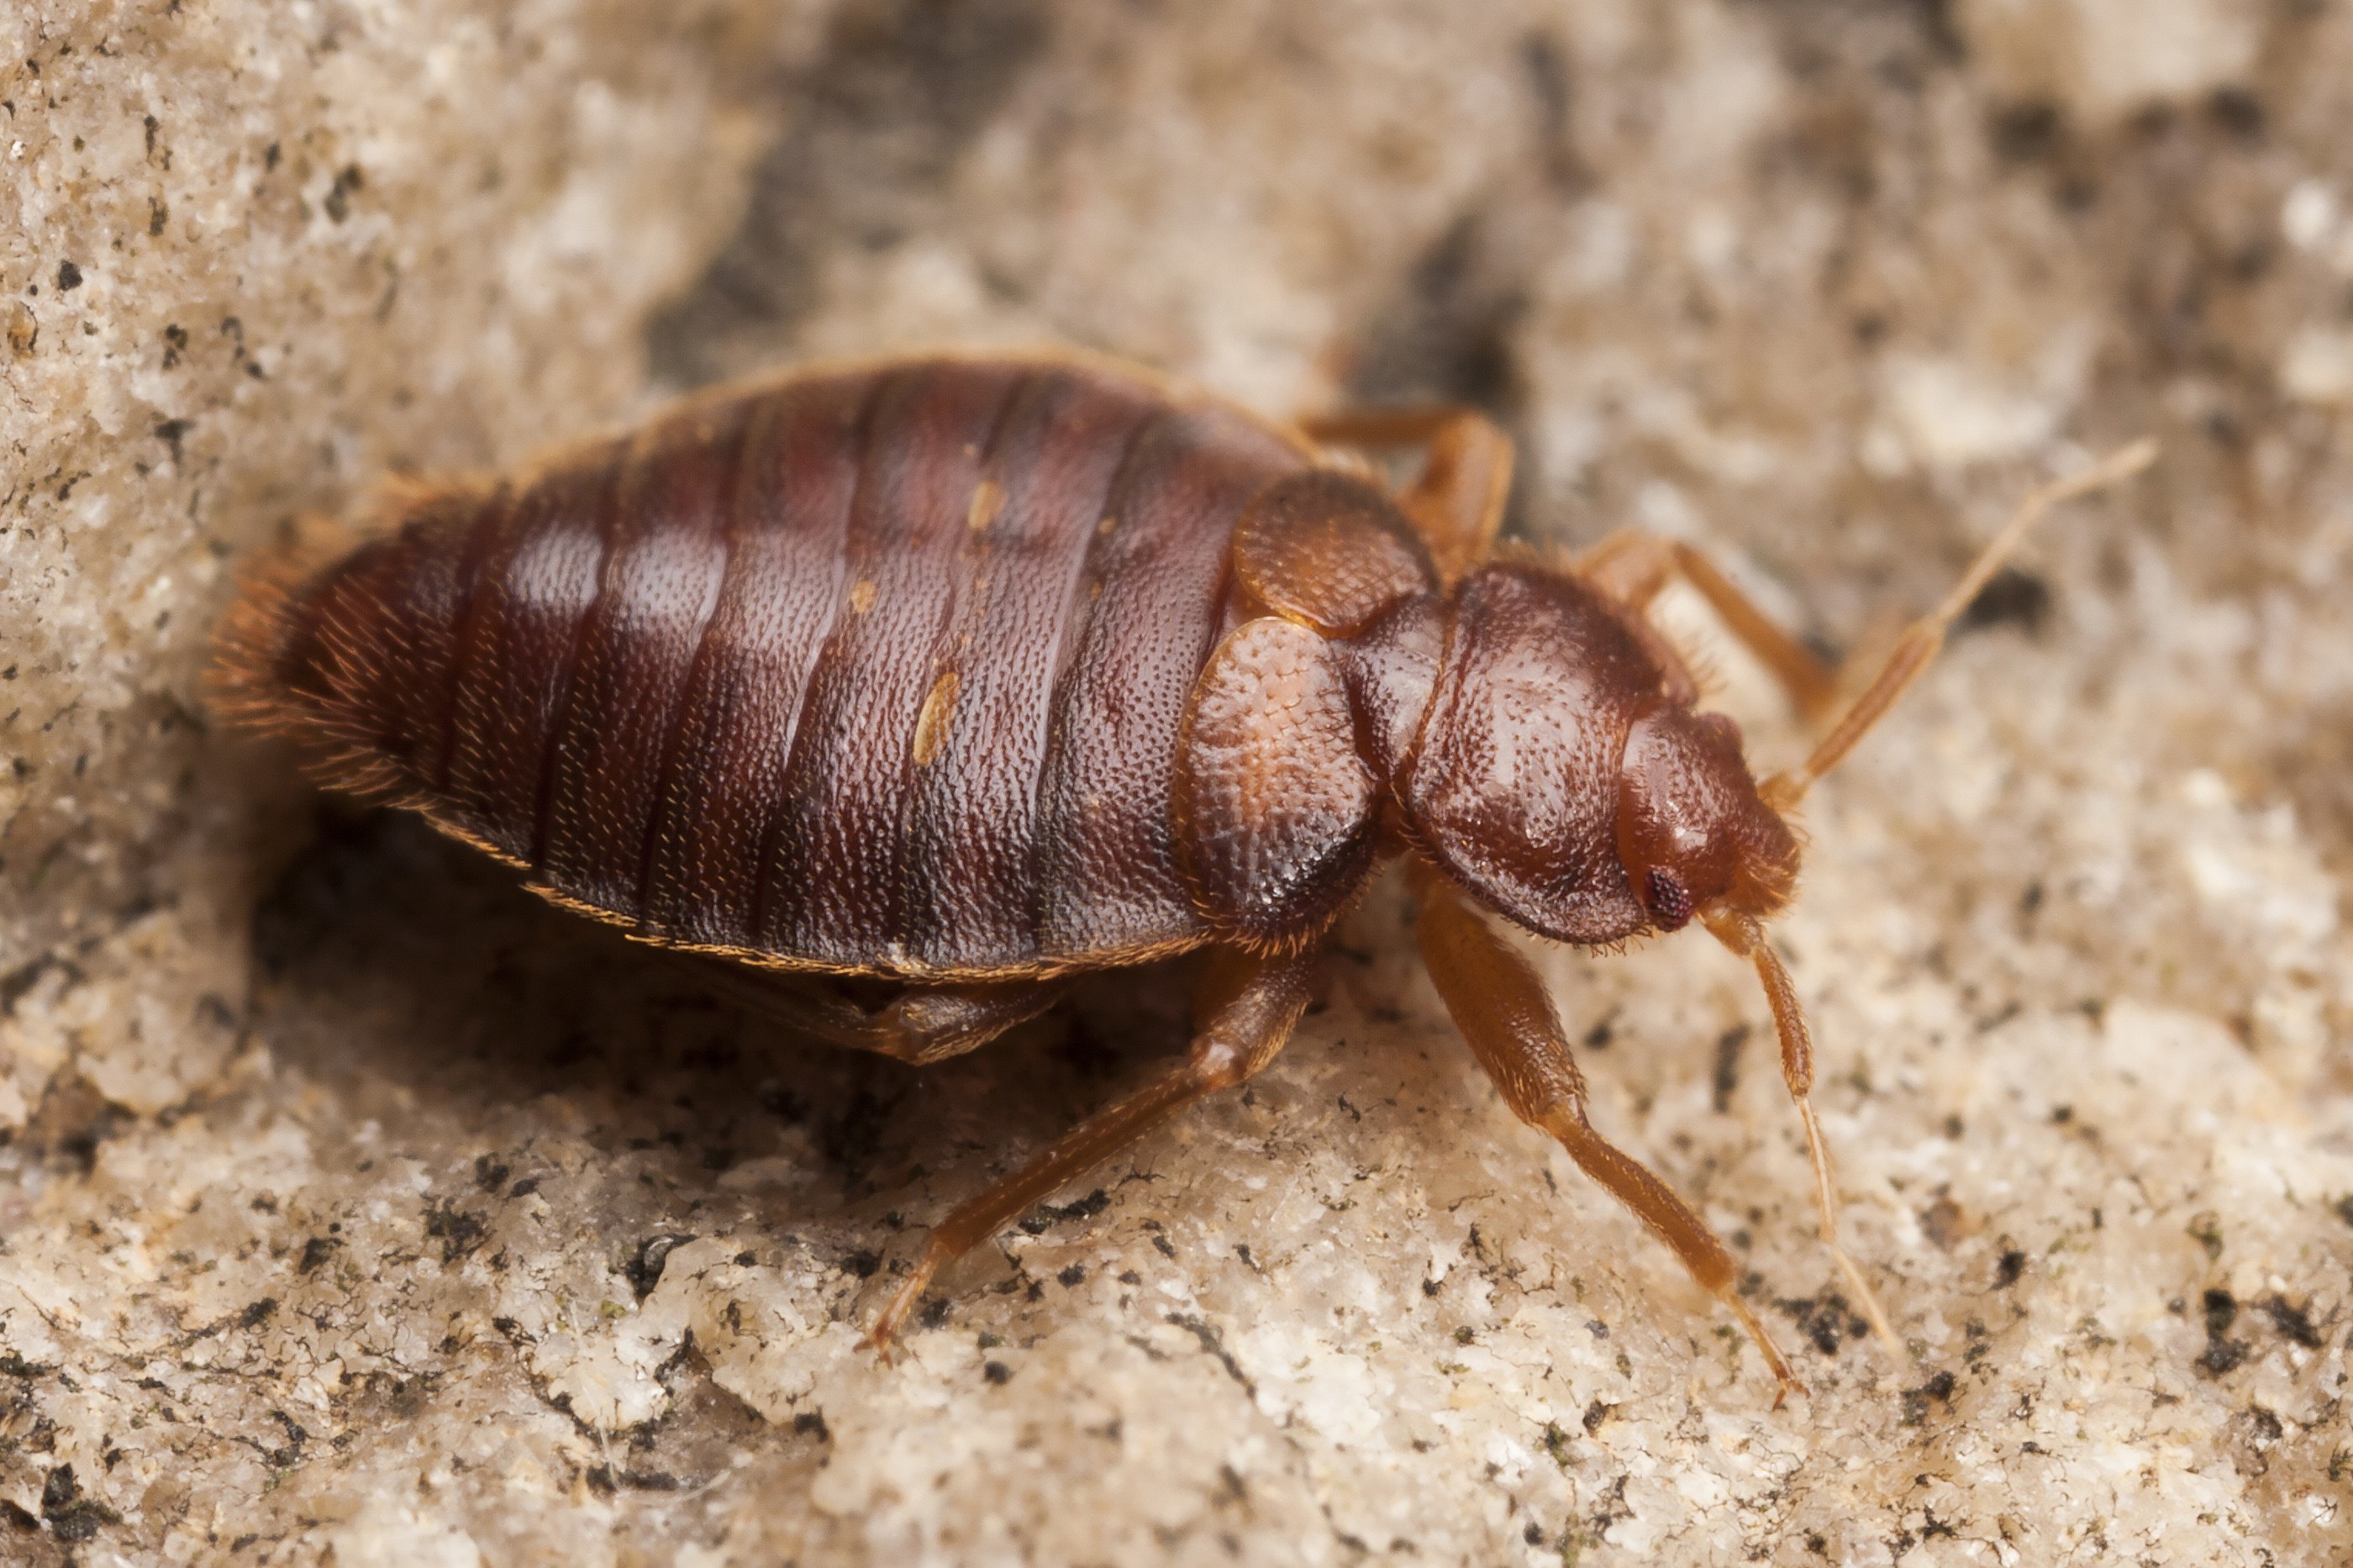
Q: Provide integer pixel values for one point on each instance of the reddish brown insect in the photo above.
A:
(971, 673)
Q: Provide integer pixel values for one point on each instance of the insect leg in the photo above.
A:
(1633, 567)
(921, 1024)
(1502, 1009)
(1457, 504)
(1251, 1003)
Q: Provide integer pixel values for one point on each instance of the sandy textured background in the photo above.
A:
(359, 1209)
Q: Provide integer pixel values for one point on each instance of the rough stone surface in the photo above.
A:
(358, 1209)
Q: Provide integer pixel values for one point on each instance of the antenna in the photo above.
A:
(1918, 645)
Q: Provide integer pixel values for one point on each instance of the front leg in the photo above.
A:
(1508, 1021)
(1252, 1003)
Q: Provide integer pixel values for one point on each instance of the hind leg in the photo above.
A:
(1251, 1005)
(921, 1024)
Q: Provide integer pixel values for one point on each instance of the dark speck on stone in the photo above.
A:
(338, 200)
(72, 1517)
(2222, 1353)
(645, 1270)
(1087, 1208)
(2221, 1356)
(1916, 1400)
(2012, 599)
(997, 1372)
(68, 276)
(2292, 1321)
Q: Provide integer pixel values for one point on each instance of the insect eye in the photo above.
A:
(1669, 901)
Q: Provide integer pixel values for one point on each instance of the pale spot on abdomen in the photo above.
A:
(931, 724)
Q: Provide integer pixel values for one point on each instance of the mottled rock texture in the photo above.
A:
(359, 1208)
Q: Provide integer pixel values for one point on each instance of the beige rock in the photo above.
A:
(358, 1209)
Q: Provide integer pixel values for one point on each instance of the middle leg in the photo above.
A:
(921, 1024)
(1632, 567)
(1458, 502)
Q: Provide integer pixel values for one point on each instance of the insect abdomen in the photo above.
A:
(880, 669)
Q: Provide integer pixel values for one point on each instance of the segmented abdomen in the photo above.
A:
(878, 669)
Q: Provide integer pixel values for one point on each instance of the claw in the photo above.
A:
(884, 1330)
(1790, 1383)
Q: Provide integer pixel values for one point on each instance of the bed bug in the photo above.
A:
(971, 673)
